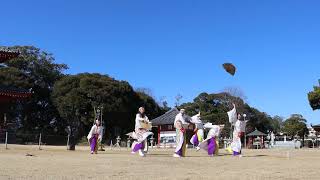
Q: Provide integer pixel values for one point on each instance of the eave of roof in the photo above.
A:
(167, 118)
(256, 133)
(6, 55)
(14, 92)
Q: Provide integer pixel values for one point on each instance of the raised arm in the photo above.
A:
(233, 115)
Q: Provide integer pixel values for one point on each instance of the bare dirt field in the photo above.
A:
(56, 163)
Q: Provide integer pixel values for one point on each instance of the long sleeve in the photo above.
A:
(232, 116)
(177, 118)
(243, 125)
(100, 133)
(195, 119)
(91, 132)
(138, 121)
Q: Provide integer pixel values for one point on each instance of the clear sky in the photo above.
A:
(178, 46)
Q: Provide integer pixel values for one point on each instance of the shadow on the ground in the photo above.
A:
(260, 155)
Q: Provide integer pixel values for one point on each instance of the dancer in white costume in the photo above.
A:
(211, 143)
(180, 124)
(141, 133)
(238, 131)
(95, 136)
(198, 136)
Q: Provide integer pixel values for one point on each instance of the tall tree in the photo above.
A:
(153, 110)
(295, 125)
(164, 104)
(314, 97)
(34, 69)
(236, 92)
(277, 124)
(178, 99)
(76, 95)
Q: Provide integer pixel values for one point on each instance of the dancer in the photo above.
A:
(141, 133)
(211, 143)
(94, 136)
(238, 132)
(180, 124)
(198, 137)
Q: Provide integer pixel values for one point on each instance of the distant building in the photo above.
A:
(9, 94)
(313, 132)
(316, 128)
(166, 133)
(312, 140)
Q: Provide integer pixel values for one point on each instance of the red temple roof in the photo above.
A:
(10, 93)
(6, 55)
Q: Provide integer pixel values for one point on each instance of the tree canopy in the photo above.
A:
(295, 125)
(61, 100)
(75, 96)
(314, 98)
(35, 70)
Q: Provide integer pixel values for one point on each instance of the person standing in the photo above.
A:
(181, 144)
(238, 131)
(95, 136)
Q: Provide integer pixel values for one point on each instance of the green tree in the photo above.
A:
(36, 70)
(76, 95)
(163, 104)
(152, 108)
(277, 124)
(314, 98)
(259, 120)
(295, 125)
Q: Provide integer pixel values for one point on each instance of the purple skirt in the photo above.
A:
(138, 146)
(195, 140)
(93, 143)
(211, 146)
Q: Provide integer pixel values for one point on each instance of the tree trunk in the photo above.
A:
(72, 144)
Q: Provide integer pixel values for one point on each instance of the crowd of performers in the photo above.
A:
(210, 144)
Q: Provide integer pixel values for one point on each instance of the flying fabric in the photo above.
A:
(230, 68)
(233, 115)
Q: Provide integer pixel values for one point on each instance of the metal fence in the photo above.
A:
(40, 139)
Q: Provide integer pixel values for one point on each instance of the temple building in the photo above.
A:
(9, 94)
(316, 129)
(6, 55)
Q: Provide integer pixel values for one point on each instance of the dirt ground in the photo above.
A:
(56, 163)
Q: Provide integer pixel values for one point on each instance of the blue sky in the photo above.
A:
(178, 46)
